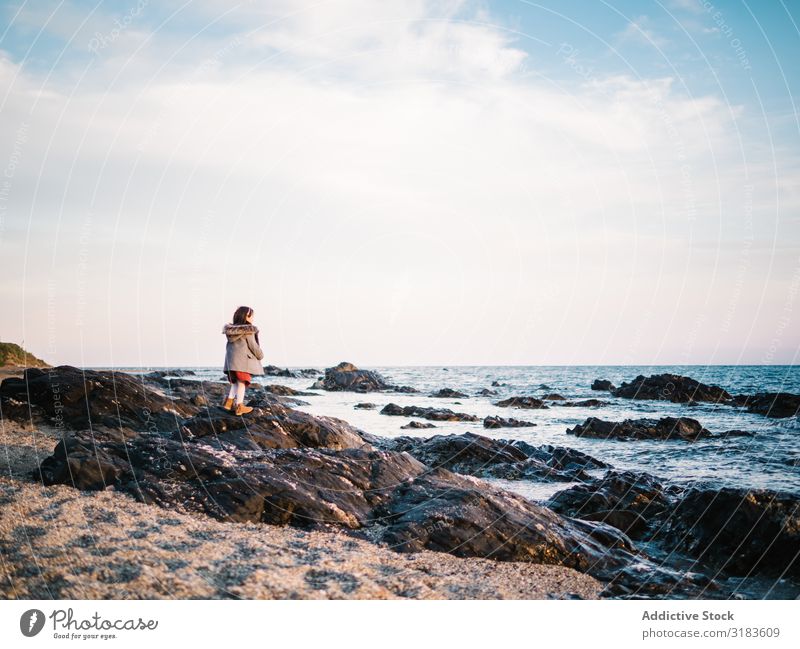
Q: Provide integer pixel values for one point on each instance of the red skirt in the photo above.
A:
(239, 377)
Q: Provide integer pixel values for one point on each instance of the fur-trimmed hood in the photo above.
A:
(234, 331)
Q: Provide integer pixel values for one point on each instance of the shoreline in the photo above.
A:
(316, 480)
(63, 543)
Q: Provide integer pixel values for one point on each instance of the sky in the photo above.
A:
(441, 182)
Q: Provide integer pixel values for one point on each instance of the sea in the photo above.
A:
(768, 459)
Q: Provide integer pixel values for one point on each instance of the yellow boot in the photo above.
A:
(228, 404)
(242, 409)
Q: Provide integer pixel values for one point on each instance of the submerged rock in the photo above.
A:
(365, 406)
(501, 422)
(671, 387)
(273, 370)
(554, 397)
(682, 428)
(418, 424)
(777, 405)
(161, 374)
(585, 403)
(522, 402)
(447, 393)
(486, 392)
(435, 414)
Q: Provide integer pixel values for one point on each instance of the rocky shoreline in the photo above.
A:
(155, 443)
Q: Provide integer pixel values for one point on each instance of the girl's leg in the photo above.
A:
(232, 391)
(240, 388)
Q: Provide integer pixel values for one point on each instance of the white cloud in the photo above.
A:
(386, 177)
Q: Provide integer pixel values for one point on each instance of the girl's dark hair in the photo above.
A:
(239, 317)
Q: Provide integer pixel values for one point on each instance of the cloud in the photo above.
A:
(370, 172)
(639, 30)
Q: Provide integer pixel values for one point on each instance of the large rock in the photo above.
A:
(304, 487)
(628, 500)
(347, 377)
(603, 385)
(671, 387)
(522, 402)
(682, 428)
(740, 531)
(72, 398)
(273, 427)
(435, 414)
(770, 404)
(468, 518)
(481, 456)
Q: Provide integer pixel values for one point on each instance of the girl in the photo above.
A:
(242, 358)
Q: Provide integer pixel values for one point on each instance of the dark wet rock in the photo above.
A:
(286, 391)
(486, 392)
(365, 406)
(447, 513)
(585, 403)
(740, 531)
(777, 405)
(603, 385)
(199, 400)
(418, 424)
(735, 433)
(273, 427)
(404, 389)
(434, 414)
(495, 384)
(273, 370)
(347, 377)
(480, 456)
(671, 387)
(74, 398)
(522, 402)
(544, 386)
(735, 531)
(554, 397)
(447, 393)
(444, 512)
(682, 428)
(501, 422)
(161, 374)
(305, 487)
(258, 397)
(628, 500)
